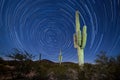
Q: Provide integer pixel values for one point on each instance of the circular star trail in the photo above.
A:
(47, 26)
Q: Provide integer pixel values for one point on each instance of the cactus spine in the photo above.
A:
(80, 40)
(60, 57)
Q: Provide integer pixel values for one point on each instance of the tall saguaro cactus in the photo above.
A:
(60, 57)
(80, 39)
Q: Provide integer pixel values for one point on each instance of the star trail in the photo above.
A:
(47, 26)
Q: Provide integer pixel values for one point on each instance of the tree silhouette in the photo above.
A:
(23, 61)
(102, 58)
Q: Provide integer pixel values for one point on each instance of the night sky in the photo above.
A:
(46, 26)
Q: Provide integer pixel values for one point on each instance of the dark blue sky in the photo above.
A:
(46, 26)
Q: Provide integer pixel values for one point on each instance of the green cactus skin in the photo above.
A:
(60, 57)
(80, 40)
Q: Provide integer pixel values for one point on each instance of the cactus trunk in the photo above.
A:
(80, 56)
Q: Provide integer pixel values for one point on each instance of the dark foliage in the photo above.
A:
(21, 67)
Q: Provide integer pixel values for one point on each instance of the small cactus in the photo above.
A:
(40, 57)
(80, 39)
(60, 57)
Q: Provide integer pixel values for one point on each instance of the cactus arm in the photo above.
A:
(75, 41)
(84, 37)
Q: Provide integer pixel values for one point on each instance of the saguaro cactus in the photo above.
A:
(80, 40)
(60, 57)
(40, 57)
